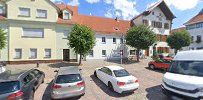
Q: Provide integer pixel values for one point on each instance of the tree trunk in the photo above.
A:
(138, 55)
(80, 60)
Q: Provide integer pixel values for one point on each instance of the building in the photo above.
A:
(159, 17)
(37, 31)
(195, 27)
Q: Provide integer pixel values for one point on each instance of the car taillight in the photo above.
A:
(81, 83)
(15, 95)
(120, 83)
(136, 81)
(56, 86)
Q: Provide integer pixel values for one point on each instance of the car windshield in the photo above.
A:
(8, 87)
(71, 78)
(121, 73)
(194, 68)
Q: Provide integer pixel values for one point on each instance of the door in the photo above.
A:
(147, 52)
(66, 55)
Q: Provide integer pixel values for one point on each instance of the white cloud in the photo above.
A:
(182, 4)
(74, 2)
(92, 1)
(109, 14)
(124, 9)
(57, 1)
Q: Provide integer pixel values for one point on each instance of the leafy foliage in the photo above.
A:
(2, 39)
(81, 39)
(179, 39)
(140, 37)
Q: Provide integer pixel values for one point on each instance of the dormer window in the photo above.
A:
(1, 9)
(66, 15)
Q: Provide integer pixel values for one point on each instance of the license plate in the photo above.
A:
(130, 82)
(176, 98)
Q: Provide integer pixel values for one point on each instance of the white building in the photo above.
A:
(195, 27)
(159, 17)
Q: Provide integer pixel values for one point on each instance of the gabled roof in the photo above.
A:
(104, 25)
(164, 8)
(197, 19)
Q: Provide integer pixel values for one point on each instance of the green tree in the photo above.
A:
(140, 37)
(178, 40)
(82, 40)
(2, 39)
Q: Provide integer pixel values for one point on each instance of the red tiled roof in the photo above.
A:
(104, 25)
(2, 17)
(196, 19)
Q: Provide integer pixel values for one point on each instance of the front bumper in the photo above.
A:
(171, 93)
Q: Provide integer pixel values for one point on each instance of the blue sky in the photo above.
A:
(126, 9)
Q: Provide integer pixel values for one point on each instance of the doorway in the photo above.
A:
(66, 55)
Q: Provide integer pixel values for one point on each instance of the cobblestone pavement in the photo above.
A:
(149, 81)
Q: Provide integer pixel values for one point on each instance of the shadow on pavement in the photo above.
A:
(157, 70)
(155, 93)
(63, 64)
(47, 93)
(106, 89)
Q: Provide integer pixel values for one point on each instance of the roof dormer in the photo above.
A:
(2, 9)
(67, 15)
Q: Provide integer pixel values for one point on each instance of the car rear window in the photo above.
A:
(71, 78)
(8, 87)
(121, 73)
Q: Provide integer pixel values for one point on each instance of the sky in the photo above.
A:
(184, 10)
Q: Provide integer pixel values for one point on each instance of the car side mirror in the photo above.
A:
(56, 71)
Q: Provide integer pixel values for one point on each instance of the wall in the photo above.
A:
(62, 42)
(13, 10)
(16, 41)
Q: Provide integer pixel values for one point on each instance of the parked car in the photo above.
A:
(117, 79)
(20, 84)
(68, 83)
(185, 76)
(159, 64)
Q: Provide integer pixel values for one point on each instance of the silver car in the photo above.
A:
(68, 83)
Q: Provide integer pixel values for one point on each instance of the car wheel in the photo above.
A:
(95, 74)
(151, 66)
(31, 97)
(110, 86)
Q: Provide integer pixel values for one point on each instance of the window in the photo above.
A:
(91, 53)
(199, 39)
(106, 70)
(33, 53)
(156, 24)
(166, 26)
(66, 15)
(47, 53)
(30, 32)
(41, 13)
(132, 52)
(1, 9)
(114, 40)
(24, 12)
(121, 40)
(103, 40)
(18, 54)
(192, 39)
(28, 79)
(65, 33)
(104, 53)
(145, 22)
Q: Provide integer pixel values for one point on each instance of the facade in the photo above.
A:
(159, 18)
(195, 27)
(37, 32)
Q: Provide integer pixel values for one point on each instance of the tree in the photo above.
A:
(82, 40)
(140, 37)
(2, 39)
(179, 39)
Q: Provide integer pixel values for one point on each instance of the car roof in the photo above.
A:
(12, 75)
(114, 67)
(68, 70)
(192, 55)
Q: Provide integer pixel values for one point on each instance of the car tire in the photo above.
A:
(110, 86)
(31, 97)
(152, 66)
(95, 74)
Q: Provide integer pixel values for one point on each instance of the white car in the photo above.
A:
(185, 76)
(117, 79)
